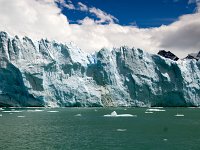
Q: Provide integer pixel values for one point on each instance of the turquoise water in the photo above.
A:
(62, 129)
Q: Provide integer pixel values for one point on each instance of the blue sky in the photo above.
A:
(143, 13)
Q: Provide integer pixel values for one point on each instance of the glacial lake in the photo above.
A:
(88, 129)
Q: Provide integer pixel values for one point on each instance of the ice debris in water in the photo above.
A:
(114, 114)
(12, 111)
(78, 115)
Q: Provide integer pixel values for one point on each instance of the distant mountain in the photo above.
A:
(194, 56)
(168, 54)
(48, 73)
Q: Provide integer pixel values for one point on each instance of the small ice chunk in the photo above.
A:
(78, 115)
(126, 115)
(121, 130)
(179, 115)
(1, 115)
(148, 112)
(20, 116)
(38, 110)
(165, 140)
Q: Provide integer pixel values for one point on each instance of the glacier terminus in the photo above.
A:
(51, 74)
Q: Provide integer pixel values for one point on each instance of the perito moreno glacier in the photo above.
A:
(51, 74)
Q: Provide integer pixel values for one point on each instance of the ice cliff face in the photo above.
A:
(52, 74)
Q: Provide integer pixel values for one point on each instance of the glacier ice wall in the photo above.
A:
(52, 74)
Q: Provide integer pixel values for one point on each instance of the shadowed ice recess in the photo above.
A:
(52, 74)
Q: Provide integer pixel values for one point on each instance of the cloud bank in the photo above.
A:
(44, 19)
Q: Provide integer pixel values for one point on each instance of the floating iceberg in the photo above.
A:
(114, 114)
(78, 115)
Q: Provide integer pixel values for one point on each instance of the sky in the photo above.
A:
(172, 25)
(143, 13)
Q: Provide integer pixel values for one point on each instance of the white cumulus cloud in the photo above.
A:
(82, 7)
(102, 16)
(34, 18)
(43, 19)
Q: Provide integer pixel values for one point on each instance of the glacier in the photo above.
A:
(51, 74)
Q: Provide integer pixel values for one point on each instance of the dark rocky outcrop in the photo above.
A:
(195, 56)
(168, 54)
